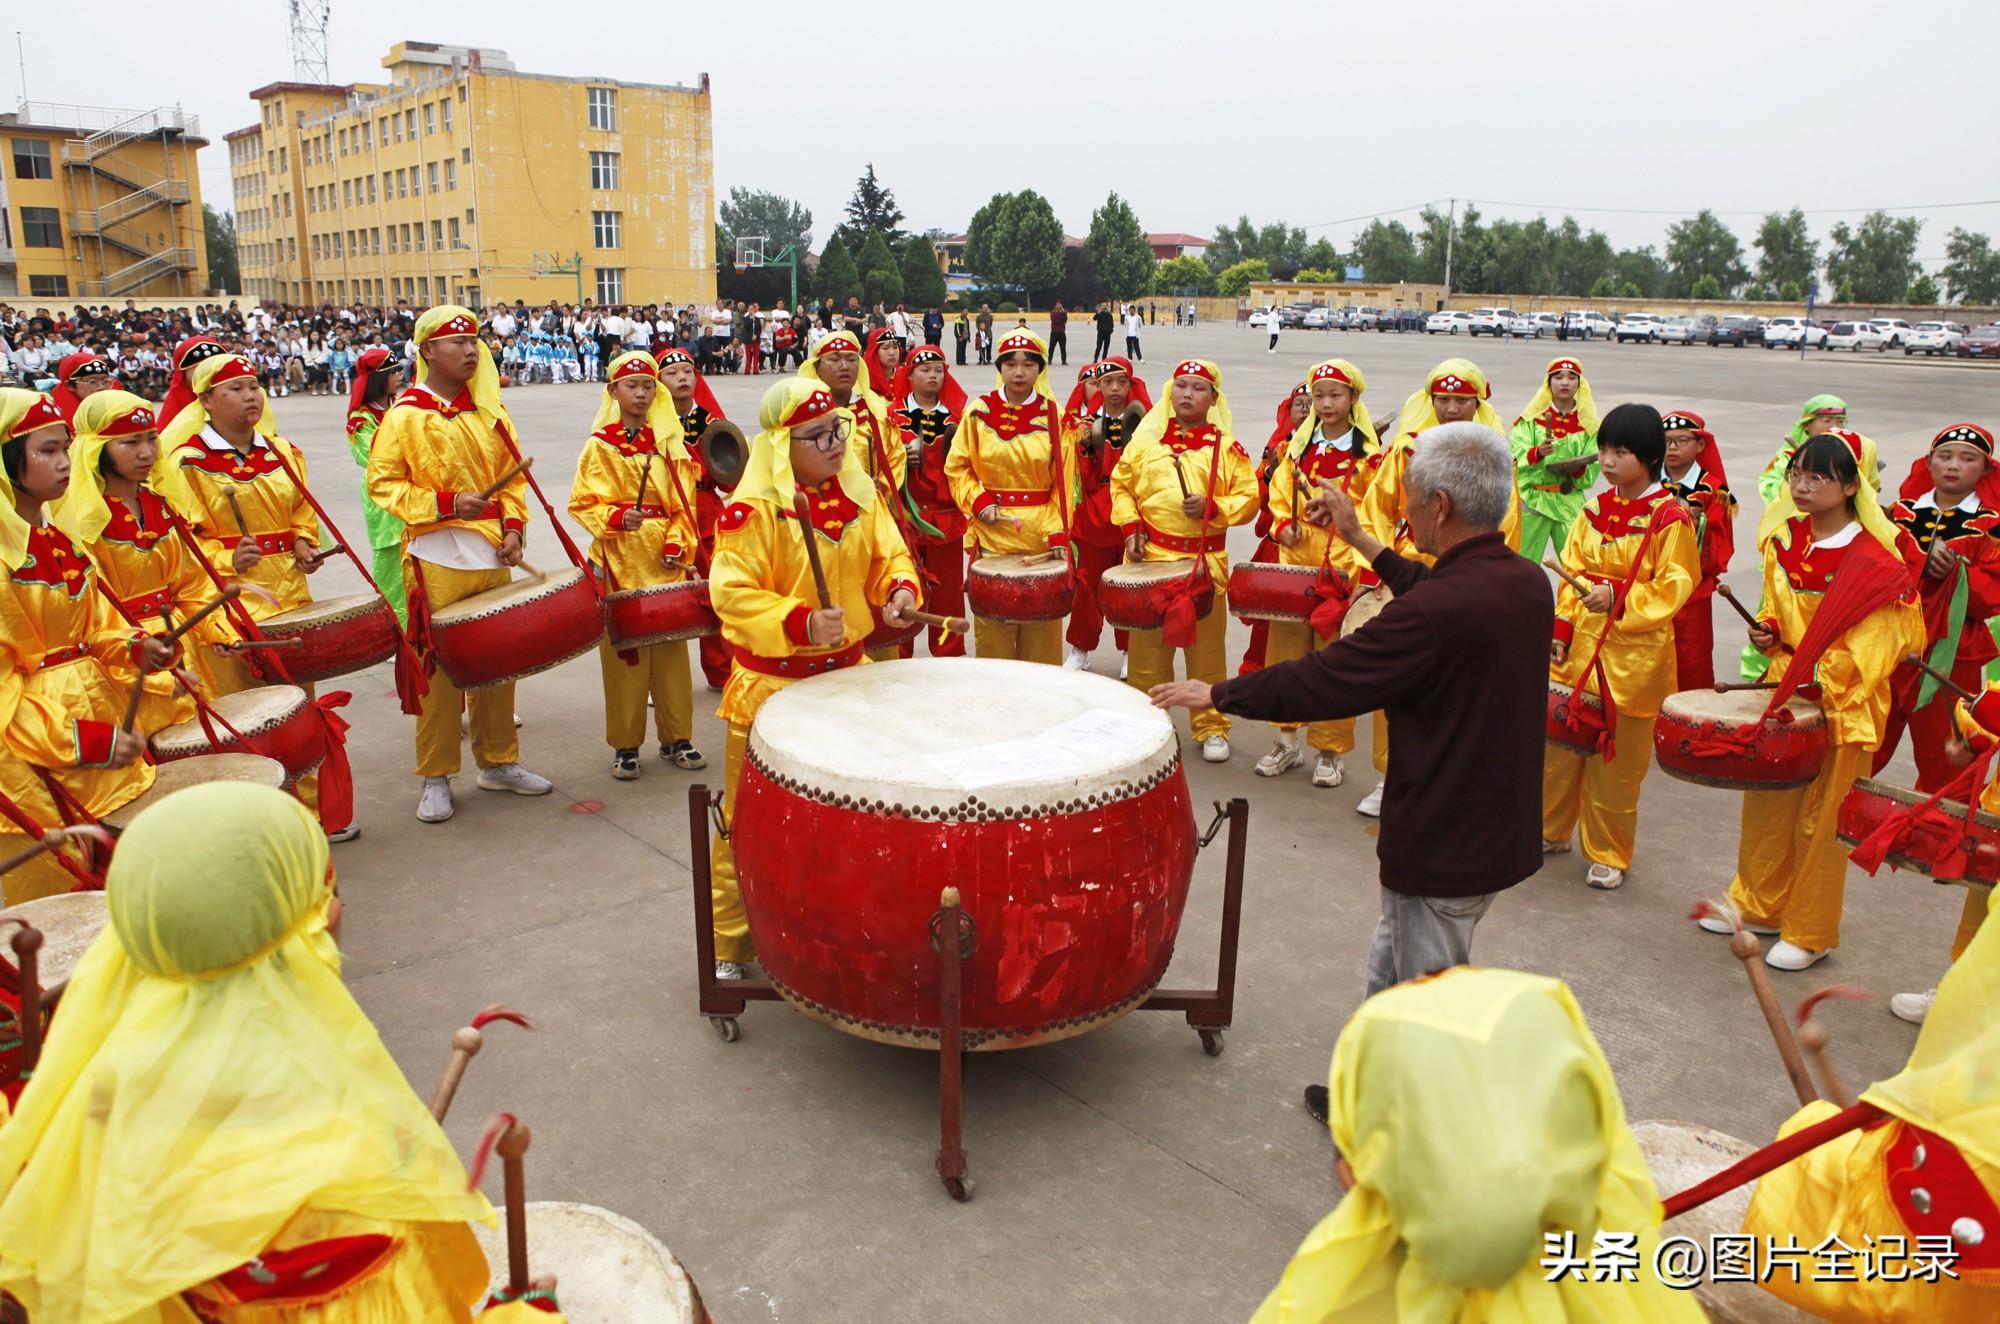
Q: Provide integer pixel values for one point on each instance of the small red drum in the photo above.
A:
(276, 721)
(1265, 591)
(337, 636)
(660, 614)
(1133, 596)
(608, 1269)
(1678, 1155)
(1364, 607)
(1786, 751)
(1564, 705)
(197, 771)
(69, 922)
(1053, 800)
(1008, 589)
(517, 629)
(1871, 801)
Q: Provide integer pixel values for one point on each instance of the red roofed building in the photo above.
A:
(1168, 246)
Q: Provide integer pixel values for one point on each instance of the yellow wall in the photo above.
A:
(84, 259)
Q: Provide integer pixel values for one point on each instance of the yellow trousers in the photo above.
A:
(1287, 641)
(1035, 641)
(230, 673)
(1150, 662)
(494, 739)
(1379, 748)
(1791, 870)
(732, 925)
(1969, 920)
(39, 877)
(662, 672)
(1605, 796)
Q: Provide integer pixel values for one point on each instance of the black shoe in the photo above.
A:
(1317, 1102)
(625, 764)
(683, 754)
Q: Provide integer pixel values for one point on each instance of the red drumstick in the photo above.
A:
(228, 595)
(51, 839)
(465, 1045)
(27, 944)
(486, 493)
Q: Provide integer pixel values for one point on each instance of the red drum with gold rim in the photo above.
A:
(336, 636)
(276, 721)
(1016, 588)
(1696, 740)
(1576, 720)
(516, 630)
(659, 614)
(1267, 591)
(1965, 845)
(1134, 596)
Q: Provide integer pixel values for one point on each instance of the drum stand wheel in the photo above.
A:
(1211, 1040)
(726, 1028)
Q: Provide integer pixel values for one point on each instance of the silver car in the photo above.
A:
(1677, 331)
(1525, 326)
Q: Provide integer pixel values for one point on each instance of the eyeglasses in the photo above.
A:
(1809, 481)
(829, 441)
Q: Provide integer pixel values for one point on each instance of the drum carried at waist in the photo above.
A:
(1966, 848)
(337, 636)
(1364, 607)
(1576, 718)
(1269, 591)
(608, 1269)
(1016, 588)
(1700, 738)
(660, 614)
(1135, 595)
(517, 629)
(277, 721)
(197, 770)
(69, 923)
(1679, 1155)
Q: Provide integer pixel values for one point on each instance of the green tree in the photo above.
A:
(836, 278)
(979, 238)
(1027, 244)
(1786, 250)
(1177, 274)
(1641, 269)
(1079, 287)
(1924, 290)
(1232, 243)
(1321, 255)
(1844, 292)
(873, 208)
(1321, 275)
(881, 275)
(218, 230)
(1706, 286)
(1879, 258)
(1121, 260)
(923, 281)
(1606, 286)
(1703, 245)
(752, 212)
(1971, 268)
(1237, 279)
(1756, 293)
(1791, 292)
(1386, 252)
(1580, 259)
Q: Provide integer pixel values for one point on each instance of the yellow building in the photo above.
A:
(99, 204)
(462, 179)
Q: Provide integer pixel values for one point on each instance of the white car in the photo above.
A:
(1638, 326)
(1490, 321)
(1789, 332)
(1856, 336)
(1588, 323)
(1933, 338)
(1677, 331)
(1894, 330)
(1447, 323)
(1524, 325)
(1265, 317)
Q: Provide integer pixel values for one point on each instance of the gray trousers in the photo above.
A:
(1418, 935)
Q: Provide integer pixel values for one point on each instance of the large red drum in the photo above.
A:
(1053, 800)
(1576, 720)
(336, 636)
(659, 614)
(517, 629)
(276, 721)
(1968, 851)
(1265, 591)
(1133, 596)
(1784, 752)
(1015, 588)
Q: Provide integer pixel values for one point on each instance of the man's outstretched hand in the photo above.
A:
(1192, 695)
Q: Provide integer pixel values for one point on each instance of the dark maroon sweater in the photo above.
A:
(1460, 662)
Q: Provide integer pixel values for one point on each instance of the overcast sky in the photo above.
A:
(1626, 115)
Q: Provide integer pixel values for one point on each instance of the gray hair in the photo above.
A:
(1473, 464)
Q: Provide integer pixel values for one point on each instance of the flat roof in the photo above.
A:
(327, 89)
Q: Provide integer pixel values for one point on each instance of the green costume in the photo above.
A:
(385, 531)
(1550, 501)
(1770, 483)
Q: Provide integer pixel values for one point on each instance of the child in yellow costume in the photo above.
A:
(68, 661)
(1331, 446)
(1635, 547)
(637, 542)
(215, 1131)
(1013, 476)
(1477, 1123)
(763, 590)
(1840, 612)
(1182, 482)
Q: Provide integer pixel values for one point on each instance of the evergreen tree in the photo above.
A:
(881, 275)
(836, 278)
(873, 208)
(923, 280)
(1121, 257)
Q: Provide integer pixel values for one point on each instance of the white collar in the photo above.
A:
(1343, 442)
(1928, 501)
(214, 441)
(1841, 539)
(939, 408)
(1688, 479)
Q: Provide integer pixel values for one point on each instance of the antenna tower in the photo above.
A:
(308, 39)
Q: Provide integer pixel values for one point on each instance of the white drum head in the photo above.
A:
(1150, 572)
(507, 595)
(250, 711)
(1015, 565)
(608, 1269)
(1738, 707)
(322, 610)
(1679, 1155)
(202, 768)
(1365, 607)
(69, 922)
(949, 738)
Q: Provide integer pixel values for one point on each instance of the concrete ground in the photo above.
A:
(1122, 1175)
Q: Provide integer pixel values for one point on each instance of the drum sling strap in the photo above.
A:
(1180, 597)
(630, 656)
(1665, 511)
(87, 880)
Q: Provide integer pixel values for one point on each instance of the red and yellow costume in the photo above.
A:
(1704, 490)
(1267, 551)
(763, 590)
(82, 366)
(874, 435)
(1791, 869)
(180, 394)
(1306, 460)
(1161, 463)
(1644, 548)
(1099, 545)
(1014, 458)
(614, 465)
(427, 451)
(709, 495)
(928, 433)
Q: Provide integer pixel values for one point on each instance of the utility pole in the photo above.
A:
(1450, 233)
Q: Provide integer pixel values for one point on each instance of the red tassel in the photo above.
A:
(500, 1011)
(1845, 992)
(1331, 610)
(1178, 621)
(494, 1130)
(414, 659)
(336, 779)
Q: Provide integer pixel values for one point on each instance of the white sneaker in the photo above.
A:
(1786, 956)
(1604, 878)
(1912, 1007)
(1329, 771)
(348, 833)
(1556, 847)
(1371, 803)
(513, 777)
(1717, 924)
(435, 806)
(1285, 755)
(728, 970)
(1215, 749)
(1124, 665)
(1075, 659)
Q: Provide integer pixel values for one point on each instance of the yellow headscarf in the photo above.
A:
(1420, 415)
(1154, 425)
(839, 342)
(167, 478)
(209, 1076)
(1338, 370)
(1477, 1113)
(1023, 340)
(1586, 404)
(669, 437)
(84, 504)
(767, 474)
(448, 319)
(14, 531)
(1867, 500)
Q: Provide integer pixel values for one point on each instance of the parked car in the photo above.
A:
(1262, 317)
(1490, 321)
(1677, 331)
(1638, 326)
(1982, 342)
(1316, 319)
(1550, 323)
(1400, 320)
(1450, 322)
(1933, 338)
(1525, 326)
(1788, 332)
(1365, 317)
(1895, 331)
(1856, 336)
(1734, 332)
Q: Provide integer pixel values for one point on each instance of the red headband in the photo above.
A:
(130, 423)
(1683, 421)
(635, 365)
(1090, 372)
(84, 365)
(1196, 368)
(43, 413)
(926, 354)
(674, 356)
(1327, 372)
(193, 350)
(816, 405)
(1563, 365)
(236, 367)
(840, 342)
(1969, 434)
(460, 325)
(1854, 443)
(1451, 383)
(1020, 343)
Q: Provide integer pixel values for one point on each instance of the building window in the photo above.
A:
(371, 188)
(604, 228)
(465, 156)
(430, 118)
(392, 239)
(49, 287)
(395, 127)
(451, 227)
(342, 137)
(603, 108)
(444, 113)
(611, 285)
(31, 159)
(408, 246)
(450, 174)
(410, 119)
(420, 237)
(437, 235)
(604, 170)
(403, 183)
(41, 227)
(431, 176)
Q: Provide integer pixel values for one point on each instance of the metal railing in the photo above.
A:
(95, 220)
(107, 128)
(126, 279)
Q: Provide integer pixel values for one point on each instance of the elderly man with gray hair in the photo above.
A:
(1460, 662)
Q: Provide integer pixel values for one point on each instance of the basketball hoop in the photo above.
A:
(742, 267)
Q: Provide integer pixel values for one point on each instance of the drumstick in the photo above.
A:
(1946, 681)
(1582, 589)
(242, 529)
(228, 595)
(645, 476)
(27, 945)
(132, 702)
(292, 642)
(486, 493)
(466, 1042)
(803, 509)
(1745, 948)
(513, 1146)
(951, 624)
(51, 839)
(1729, 687)
(1175, 460)
(1722, 590)
(1038, 558)
(1812, 1037)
